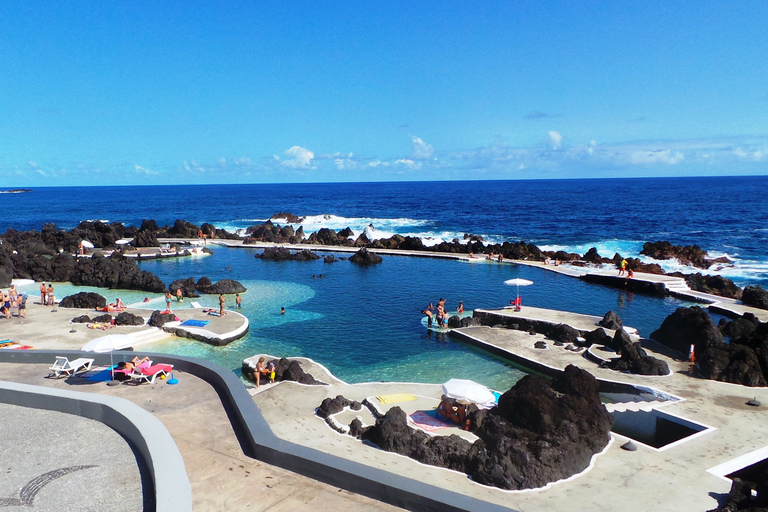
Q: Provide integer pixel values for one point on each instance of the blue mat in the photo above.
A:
(196, 323)
(102, 376)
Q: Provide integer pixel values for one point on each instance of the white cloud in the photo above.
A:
(298, 158)
(421, 150)
(408, 163)
(555, 139)
(750, 154)
(144, 170)
(242, 162)
(656, 156)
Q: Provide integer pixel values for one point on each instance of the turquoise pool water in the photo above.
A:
(364, 323)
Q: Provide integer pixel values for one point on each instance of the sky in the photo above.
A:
(147, 92)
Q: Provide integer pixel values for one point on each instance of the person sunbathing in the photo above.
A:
(144, 362)
(453, 411)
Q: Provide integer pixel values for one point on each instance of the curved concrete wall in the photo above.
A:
(150, 437)
(258, 441)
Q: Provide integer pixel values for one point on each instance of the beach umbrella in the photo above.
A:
(518, 283)
(469, 391)
(108, 343)
(87, 244)
(124, 241)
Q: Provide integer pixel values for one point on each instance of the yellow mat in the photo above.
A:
(397, 397)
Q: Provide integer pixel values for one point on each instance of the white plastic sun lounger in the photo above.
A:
(63, 366)
(150, 373)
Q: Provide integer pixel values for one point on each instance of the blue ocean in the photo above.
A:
(364, 323)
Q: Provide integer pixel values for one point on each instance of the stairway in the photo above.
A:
(147, 336)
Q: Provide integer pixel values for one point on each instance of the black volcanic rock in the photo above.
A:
(734, 363)
(541, 432)
(275, 254)
(305, 255)
(226, 286)
(114, 272)
(324, 236)
(740, 327)
(392, 433)
(597, 337)
(126, 318)
(688, 255)
(634, 359)
(288, 217)
(158, 319)
(145, 239)
(755, 296)
(84, 300)
(716, 285)
(563, 333)
(288, 370)
(283, 254)
(612, 321)
(187, 287)
(331, 406)
(82, 319)
(365, 257)
(686, 327)
(592, 256)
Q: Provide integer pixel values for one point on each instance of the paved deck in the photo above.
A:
(552, 317)
(50, 328)
(222, 478)
(95, 468)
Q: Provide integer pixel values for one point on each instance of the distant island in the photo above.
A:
(15, 191)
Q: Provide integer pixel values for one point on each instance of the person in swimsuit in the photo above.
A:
(43, 294)
(22, 302)
(221, 304)
(452, 411)
(168, 299)
(51, 298)
(461, 307)
(238, 300)
(179, 295)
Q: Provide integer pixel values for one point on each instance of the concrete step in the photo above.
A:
(149, 335)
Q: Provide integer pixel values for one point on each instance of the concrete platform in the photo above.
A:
(222, 477)
(552, 317)
(82, 464)
(51, 328)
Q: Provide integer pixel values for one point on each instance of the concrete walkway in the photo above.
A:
(222, 478)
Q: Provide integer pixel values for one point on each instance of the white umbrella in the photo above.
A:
(86, 243)
(124, 241)
(108, 343)
(468, 390)
(518, 282)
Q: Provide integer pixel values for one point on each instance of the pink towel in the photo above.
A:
(157, 368)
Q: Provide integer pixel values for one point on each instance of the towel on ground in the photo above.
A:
(427, 420)
(195, 323)
(397, 397)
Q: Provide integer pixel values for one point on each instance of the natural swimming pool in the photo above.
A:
(364, 323)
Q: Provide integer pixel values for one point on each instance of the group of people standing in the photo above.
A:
(13, 299)
(439, 314)
(46, 295)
